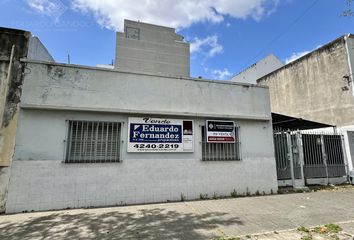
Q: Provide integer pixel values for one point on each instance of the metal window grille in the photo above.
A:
(93, 142)
(221, 151)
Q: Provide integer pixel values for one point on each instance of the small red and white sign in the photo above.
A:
(220, 131)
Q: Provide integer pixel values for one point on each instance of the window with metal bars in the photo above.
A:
(221, 151)
(93, 142)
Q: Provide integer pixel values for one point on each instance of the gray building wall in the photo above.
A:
(37, 51)
(313, 87)
(56, 93)
(13, 47)
(148, 48)
(258, 70)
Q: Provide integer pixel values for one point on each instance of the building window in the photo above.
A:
(221, 151)
(93, 142)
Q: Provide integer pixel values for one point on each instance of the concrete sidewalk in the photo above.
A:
(347, 233)
(185, 220)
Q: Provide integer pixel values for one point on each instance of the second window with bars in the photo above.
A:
(221, 151)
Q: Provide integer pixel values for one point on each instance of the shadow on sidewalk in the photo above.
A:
(142, 224)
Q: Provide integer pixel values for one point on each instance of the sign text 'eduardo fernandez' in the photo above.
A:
(155, 133)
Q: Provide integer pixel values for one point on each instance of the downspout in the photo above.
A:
(349, 60)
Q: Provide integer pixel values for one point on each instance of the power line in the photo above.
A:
(274, 40)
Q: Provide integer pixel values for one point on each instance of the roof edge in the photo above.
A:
(341, 38)
(26, 60)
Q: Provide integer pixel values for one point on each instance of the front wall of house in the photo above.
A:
(41, 181)
(62, 86)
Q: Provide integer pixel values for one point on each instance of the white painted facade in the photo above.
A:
(258, 70)
(56, 93)
(71, 87)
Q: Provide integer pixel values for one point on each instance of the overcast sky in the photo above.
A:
(226, 36)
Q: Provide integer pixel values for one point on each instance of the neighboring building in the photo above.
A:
(318, 87)
(37, 51)
(91, 136)
(107, 66)
(14, 45)
(152, 49)
(260, 69)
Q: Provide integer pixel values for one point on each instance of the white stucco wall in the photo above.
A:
(40, 181)
(61, 86)
(55, 93)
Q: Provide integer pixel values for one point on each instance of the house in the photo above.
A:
(142, 132)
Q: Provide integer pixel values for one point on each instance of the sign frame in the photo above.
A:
(159, 135)
(221, 135)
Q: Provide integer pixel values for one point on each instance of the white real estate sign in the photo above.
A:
(147, 134)
(220, 131)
